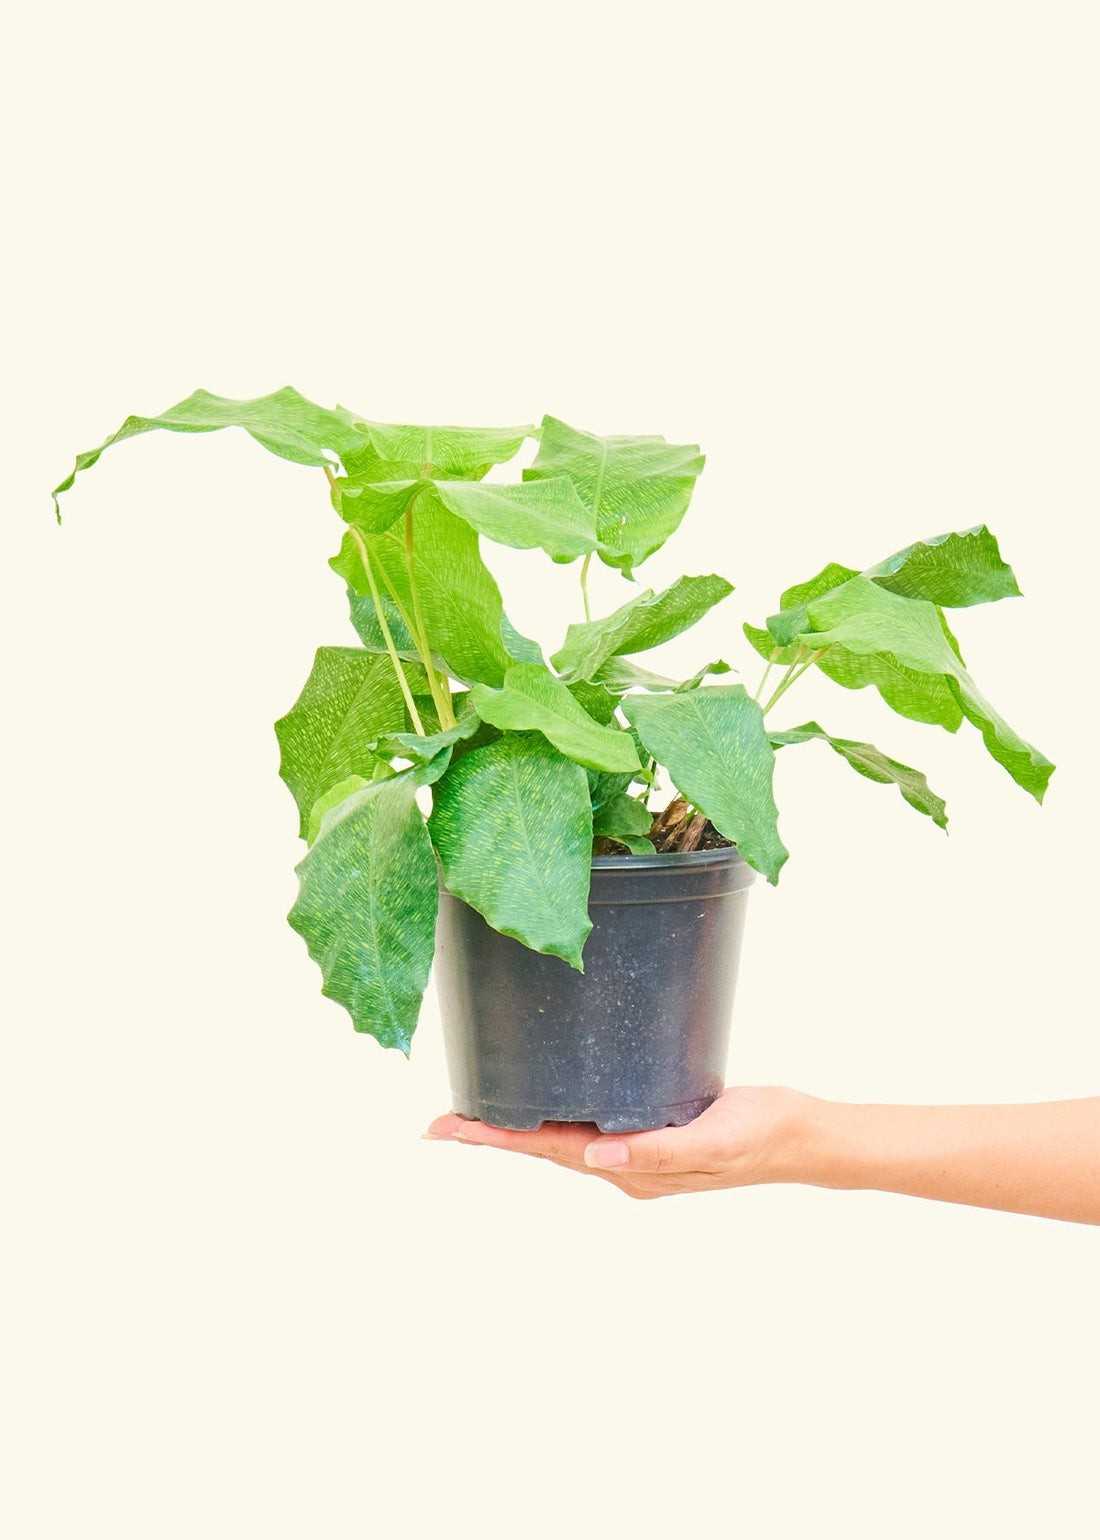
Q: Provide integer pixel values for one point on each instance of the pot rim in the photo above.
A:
(725, 855)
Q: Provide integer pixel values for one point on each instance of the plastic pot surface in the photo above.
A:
(639, 1040)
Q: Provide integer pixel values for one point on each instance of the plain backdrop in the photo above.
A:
(851, 249)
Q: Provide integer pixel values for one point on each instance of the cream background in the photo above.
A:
(851, 249)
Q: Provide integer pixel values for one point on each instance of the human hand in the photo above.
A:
(751, 1134)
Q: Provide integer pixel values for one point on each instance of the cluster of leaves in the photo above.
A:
(529, 761)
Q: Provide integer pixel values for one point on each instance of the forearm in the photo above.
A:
(1035, 1158)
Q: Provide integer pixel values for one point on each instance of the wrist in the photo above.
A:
(818, 1147)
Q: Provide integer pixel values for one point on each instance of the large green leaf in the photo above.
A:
(464, 453)
(868, 622)
(875, 765)
(960, 568)
(548, 514)
(715, 747)
(367, 907)
(533, 699)
(350, 700)
(284, 422)
(460, 602)
(641, 623)
(512, 825)
(919, 695)
(637, 488)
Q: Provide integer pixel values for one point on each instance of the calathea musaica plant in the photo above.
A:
(529, 761)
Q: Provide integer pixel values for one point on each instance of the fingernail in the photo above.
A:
(436, 1136)
(468, 1134)
(612, 1152)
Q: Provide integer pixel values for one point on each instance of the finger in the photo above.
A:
(553, 1141)
(657, 1151)
(445, 1127)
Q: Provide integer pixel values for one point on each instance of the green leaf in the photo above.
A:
(621, 816)
(414, 746)
(367, 907)
(373, 506)
(365, 620)
(641, 623)
(767, 646)
(891, 632)
(518, 646)
(604, 786)
(715, 747)
(955, 569)
(875, 765)
(637, 488)
(331, 799)
(532, 699)
(541, 513)
(622, 674)
(284, 422)
(512, 825)
(461, 604)
(596, 699)
(350, 700)
(536, 513)
(464, 453)
(785, 627)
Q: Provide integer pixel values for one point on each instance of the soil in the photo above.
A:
(677, 828)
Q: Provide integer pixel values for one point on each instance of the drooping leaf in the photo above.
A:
(284, 422)
(875, 765)
(622, 674)
(923, 697)
(463, 453)
(641, 623)
(512, 825)
(533, 699)
(621, 816)
(367, 907)
(460, 601)
(350, 700)
(415, 746)
(957, 569)
(637, 488)
(534, 513)
(870, 623)
(715, 747)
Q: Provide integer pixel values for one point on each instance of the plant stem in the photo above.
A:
(794, 673)
(441, 693)
(414, 715)
(584, 585)
(767, 671)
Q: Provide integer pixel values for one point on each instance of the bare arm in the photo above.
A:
(1035, 1158)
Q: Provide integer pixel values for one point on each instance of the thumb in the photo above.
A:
(655, 1151)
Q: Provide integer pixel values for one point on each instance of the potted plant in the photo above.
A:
(451, 781)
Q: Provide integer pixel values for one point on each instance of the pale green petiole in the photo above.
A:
(414, 715)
